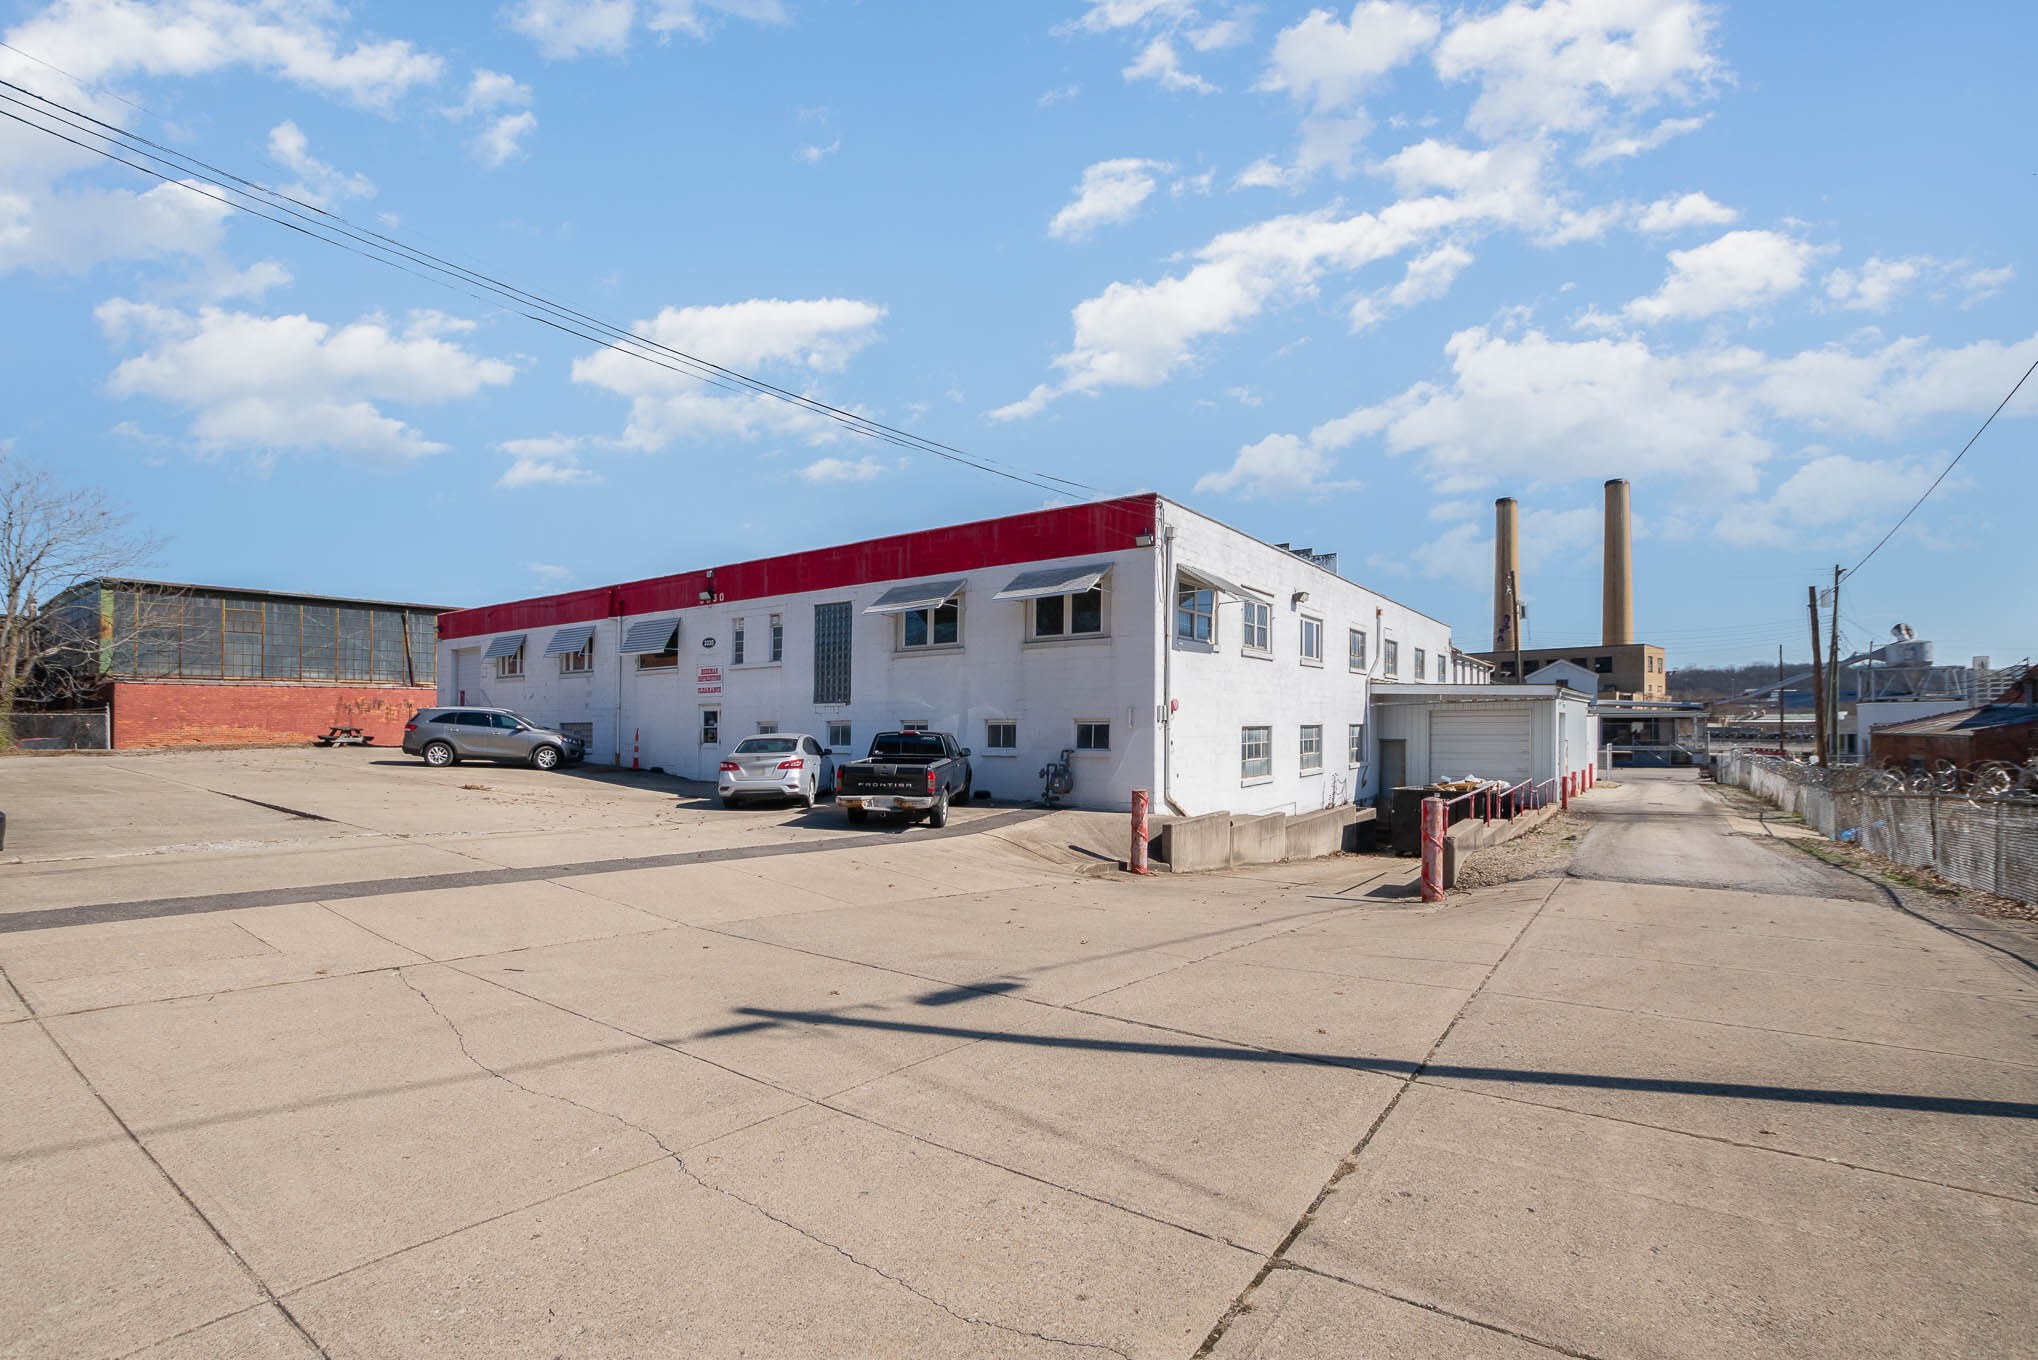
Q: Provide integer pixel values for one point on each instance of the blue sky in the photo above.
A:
(1339, 277)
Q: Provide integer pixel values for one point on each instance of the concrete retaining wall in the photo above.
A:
(1218, 840)
(1469, 835)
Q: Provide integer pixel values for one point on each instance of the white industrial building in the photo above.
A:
(1427, 734)
(1166, 651)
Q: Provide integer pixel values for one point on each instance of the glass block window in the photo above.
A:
(831, 653)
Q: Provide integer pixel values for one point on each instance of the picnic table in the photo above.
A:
(343, 736)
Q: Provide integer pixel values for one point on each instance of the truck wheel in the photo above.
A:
(858, 815)
(937, 816)
(545, 758)
(439, 753)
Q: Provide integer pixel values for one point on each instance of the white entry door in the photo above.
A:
(1489, 741)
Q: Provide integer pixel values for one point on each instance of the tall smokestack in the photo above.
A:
(1617, 607)
(1506, 565)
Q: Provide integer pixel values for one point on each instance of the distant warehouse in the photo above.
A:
(181, 665)
(1157, 647)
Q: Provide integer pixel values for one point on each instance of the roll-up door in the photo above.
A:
(1489, 741)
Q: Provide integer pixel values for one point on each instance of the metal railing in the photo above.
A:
(1973, 826)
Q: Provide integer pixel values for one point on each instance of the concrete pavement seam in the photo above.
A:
(1349, 1163)
(234, 1255)
(1767, 972)
(1440, 1311)
(679, 1161)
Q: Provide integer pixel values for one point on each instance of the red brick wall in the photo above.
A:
(147, 714)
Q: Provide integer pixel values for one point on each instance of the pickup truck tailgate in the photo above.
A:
(906, 780)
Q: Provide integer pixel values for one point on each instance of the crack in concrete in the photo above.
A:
(176, 1187)
(1508, 1332)
(1350, 1161)
(679, 1161)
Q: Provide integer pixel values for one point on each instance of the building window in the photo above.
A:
(1355, 744)
(511, 666)
(765, 729)
(913, 725)
(1602, 665)
(736, 642)
(665, 658)
(937, 627)
(1257, 626)
(1312, 640)
(1093, 736)
(838, 736)
(580, 662)
(831, 653)
(1255, 753)
(1080, 615)
(1001, 736)
(1195, 614)
(1357, 641)
(711, 727)
(1390, 657)
(777, 637)
(1312, 747)
(1421, 663)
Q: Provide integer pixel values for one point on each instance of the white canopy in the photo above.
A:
(924, 595)
(1032, 585)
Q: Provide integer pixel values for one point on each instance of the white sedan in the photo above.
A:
(777, 765)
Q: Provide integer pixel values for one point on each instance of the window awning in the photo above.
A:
(650, 635)
(504, 646)
(925, 595)
(1220, 584)
(567, 641)
(1032, 585)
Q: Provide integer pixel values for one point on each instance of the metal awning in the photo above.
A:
(509, 645)
(650, 635)
(925, 595)
(567, 641)
(1032, 585)
(1220, 584)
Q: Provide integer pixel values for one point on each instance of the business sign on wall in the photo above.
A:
(710, 680)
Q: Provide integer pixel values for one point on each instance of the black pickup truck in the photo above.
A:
(905, 772)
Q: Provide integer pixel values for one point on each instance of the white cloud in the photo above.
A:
(102, 40)
(1983, 284)
(1158, 61)
(563, 29)
(1831, 499)
(488, 91)
(503, 138)
(1219, 34)
(816, 336)
(1279, 465)
(1427, 278)
(1876, 284)
(1878, 392)
(319, 183)
(1106, 15)
(1740, 271)
(1330, 65)
(1192, 184)
(1111, 192)
(550, 460)
(503, 104)
(548, 573)
(826, 470)
(267, 383)
(1579, 65)
(1667, 215)
(70, 230)
(813, 153)
(1614, 146)
(1267, 173)
(1061, 95)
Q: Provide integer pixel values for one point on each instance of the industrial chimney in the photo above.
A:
(1506, 571)
(1617, 607)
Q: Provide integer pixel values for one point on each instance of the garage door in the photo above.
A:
(1491, 742)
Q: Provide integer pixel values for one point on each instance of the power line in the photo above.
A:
(1942, 475)
(315, 221)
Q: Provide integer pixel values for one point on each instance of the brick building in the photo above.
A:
(183, 665)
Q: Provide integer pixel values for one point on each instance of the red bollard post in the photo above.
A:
(1137, 862)
(1432, 849)
(1564, 794)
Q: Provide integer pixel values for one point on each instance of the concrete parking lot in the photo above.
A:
(326, 1053)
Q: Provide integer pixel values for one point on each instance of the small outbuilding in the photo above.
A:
(1567, 673)
(1432, 733)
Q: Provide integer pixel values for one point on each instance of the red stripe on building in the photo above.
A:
(1038, 536)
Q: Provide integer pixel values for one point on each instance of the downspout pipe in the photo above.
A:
(1168, 670)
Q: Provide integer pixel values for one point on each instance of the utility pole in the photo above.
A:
(1833, 661)
(1818, 681)
(1781, 748)
(1514, 620)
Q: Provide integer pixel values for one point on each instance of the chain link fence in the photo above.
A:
(1978, 840)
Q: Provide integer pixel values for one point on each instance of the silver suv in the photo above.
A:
(445, 736)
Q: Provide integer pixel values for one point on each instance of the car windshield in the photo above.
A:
(767, 746)
(906, 744)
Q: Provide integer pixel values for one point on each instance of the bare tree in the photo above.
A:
(52, 537)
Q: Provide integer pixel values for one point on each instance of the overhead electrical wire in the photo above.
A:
(1942, 474)
(316, 222)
